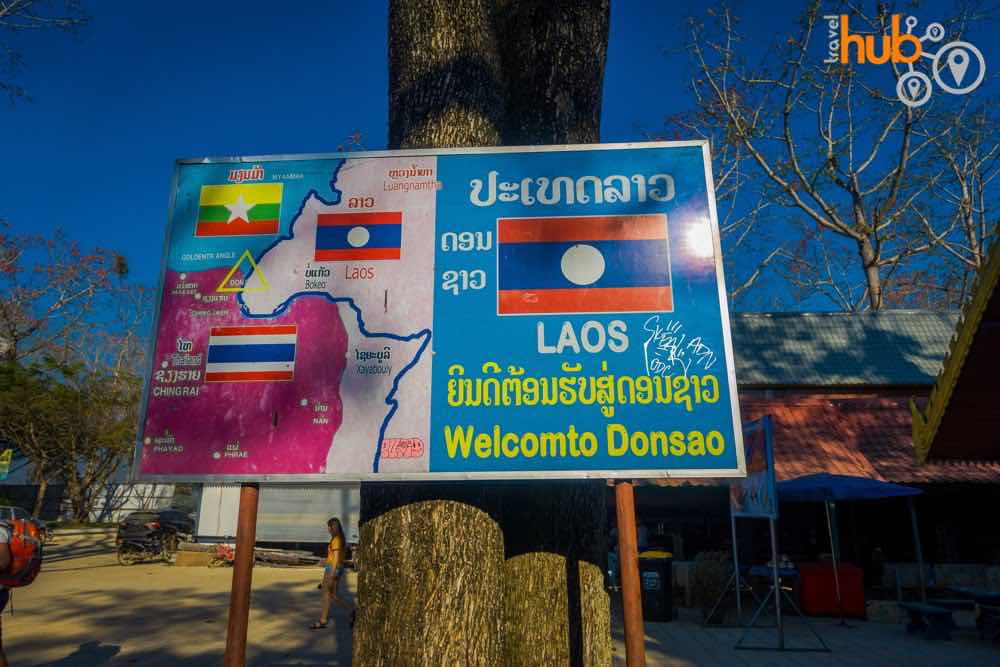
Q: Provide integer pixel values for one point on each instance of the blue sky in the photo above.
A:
(146, 83)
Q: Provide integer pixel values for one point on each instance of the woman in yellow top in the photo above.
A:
(333, 572)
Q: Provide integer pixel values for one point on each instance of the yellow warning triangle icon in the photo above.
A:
(228, 285)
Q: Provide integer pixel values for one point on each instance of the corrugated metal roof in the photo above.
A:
(887, 348)
(861, 436)
(867, 437)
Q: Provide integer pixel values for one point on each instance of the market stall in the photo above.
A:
(830, 489)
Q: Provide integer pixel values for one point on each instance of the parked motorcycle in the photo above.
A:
(144, 536)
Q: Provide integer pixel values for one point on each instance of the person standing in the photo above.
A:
(642, 536)
(333, 572)
(4, 591)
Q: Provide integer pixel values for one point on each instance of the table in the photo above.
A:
(767, 571)
(980, 595)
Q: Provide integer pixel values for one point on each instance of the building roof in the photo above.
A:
(862, 436)
(865, 436)
(887, 348)
(962, 419)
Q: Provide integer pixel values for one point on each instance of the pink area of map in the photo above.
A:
(240, 428)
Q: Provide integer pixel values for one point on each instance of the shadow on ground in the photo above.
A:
(60, 553)
(89, 653)
(175, 626)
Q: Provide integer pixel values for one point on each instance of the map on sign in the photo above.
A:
(505, 313)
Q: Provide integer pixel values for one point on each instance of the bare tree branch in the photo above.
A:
(817, 142)
(25, 16)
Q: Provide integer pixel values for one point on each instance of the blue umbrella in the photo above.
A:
(824, 487)
(828, 489)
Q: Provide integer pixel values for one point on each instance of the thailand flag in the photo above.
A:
(251, 354)
(363, 236)
(586, 264)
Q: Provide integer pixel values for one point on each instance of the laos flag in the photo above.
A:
(585, 264)
(362, 236)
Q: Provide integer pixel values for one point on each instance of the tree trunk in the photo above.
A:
(873, 279)
(78, 494)
(79, 510)
(429, 583)
(433, 585)
(553, 62)
(43, 486)
(556, 610)
(445, 88)
(430, 561)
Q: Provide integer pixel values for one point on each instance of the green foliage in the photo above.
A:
(185, 498)
(31, 417)
(74, 423)
(72, 340)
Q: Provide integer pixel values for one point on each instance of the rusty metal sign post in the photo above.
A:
(628, 558)
(239, 597)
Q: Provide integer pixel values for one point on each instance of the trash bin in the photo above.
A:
(657, 583)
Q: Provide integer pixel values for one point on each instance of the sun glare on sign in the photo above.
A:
(699, 240)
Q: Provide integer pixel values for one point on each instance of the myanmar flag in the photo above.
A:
(249, 209)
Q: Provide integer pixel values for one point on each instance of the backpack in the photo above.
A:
(25, 553)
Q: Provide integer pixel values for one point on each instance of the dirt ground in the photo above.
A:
(85, 610)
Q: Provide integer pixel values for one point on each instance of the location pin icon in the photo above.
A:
(958, 63)
(913, 88)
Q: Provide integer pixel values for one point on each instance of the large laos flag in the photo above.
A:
(369, 235)
(586, 264)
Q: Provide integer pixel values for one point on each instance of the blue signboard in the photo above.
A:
(756, 494)
(6, 456)
(506, 312)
